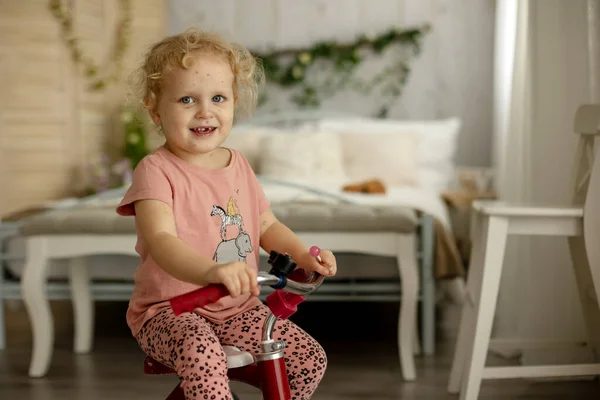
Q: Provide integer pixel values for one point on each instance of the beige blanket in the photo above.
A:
(450, 248)
(448, 263)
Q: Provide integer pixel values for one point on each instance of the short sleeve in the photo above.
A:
(150, 182)
(263, 202)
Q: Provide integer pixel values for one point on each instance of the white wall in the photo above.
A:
(453, 76)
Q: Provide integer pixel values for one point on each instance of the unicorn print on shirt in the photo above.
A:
(236, 249)
(228, 219)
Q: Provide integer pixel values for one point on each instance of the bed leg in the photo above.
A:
(2, 304)
(428, 286)
(83, 306)
(2, 322)
(409, 280)
(416, 340)
(33, 290)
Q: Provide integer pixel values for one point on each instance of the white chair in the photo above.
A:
(491, 224)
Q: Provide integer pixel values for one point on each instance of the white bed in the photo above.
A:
(436, 151)
(117, 268)
(407, 160)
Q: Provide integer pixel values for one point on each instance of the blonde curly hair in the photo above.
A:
(178, 51)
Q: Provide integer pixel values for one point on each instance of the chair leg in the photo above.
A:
(409, 280)
(33, 290)
(177, 394)
(588, 283)
(83, 306)
(466, 320)
(485, 299)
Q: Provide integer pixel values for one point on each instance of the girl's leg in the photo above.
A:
(188, 344)
(305, 359)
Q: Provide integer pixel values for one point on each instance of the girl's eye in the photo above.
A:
(218, 99)
(186, 100)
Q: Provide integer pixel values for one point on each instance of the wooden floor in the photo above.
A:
(361, 347)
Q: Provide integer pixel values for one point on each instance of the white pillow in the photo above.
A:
(307, 156)
(246, 140)
(386, 156)
(436, 148)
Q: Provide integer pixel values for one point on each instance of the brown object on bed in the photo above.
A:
(369, 186)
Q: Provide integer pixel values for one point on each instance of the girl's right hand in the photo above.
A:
(236, 276)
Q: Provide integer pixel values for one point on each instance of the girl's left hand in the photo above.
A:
(328, 266)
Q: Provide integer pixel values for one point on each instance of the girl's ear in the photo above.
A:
(155, 117)
(152, 108)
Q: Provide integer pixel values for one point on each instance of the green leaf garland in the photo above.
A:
(90, 69)
(291, 68)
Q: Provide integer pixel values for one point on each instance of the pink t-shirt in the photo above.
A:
(216, 212)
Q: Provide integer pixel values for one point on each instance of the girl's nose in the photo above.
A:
(203, 111)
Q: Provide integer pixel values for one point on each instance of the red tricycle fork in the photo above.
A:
(269, 373)
(265, 371)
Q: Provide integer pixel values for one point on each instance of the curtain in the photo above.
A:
(512, 144)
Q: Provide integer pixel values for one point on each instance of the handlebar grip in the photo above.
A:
(198, 298)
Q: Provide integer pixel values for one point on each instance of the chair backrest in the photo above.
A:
(587, 125)
(587, 191)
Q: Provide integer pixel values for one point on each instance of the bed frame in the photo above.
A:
(414, 253)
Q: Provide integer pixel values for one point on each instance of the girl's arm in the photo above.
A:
(156, 224)
(276, 236)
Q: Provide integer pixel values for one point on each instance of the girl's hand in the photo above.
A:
(327, 267)
(236, 276)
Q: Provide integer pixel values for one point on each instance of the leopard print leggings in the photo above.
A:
(191, 345)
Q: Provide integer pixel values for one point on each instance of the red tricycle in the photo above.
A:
(266, 370)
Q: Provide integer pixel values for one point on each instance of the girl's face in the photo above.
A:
(195, 108)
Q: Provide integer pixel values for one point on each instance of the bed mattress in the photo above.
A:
(300, 216)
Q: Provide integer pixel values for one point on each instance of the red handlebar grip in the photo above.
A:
(197, 298)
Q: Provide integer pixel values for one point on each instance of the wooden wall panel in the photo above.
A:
(51, 126)
(34, 106)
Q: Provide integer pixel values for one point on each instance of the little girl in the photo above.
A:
(189, 233)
